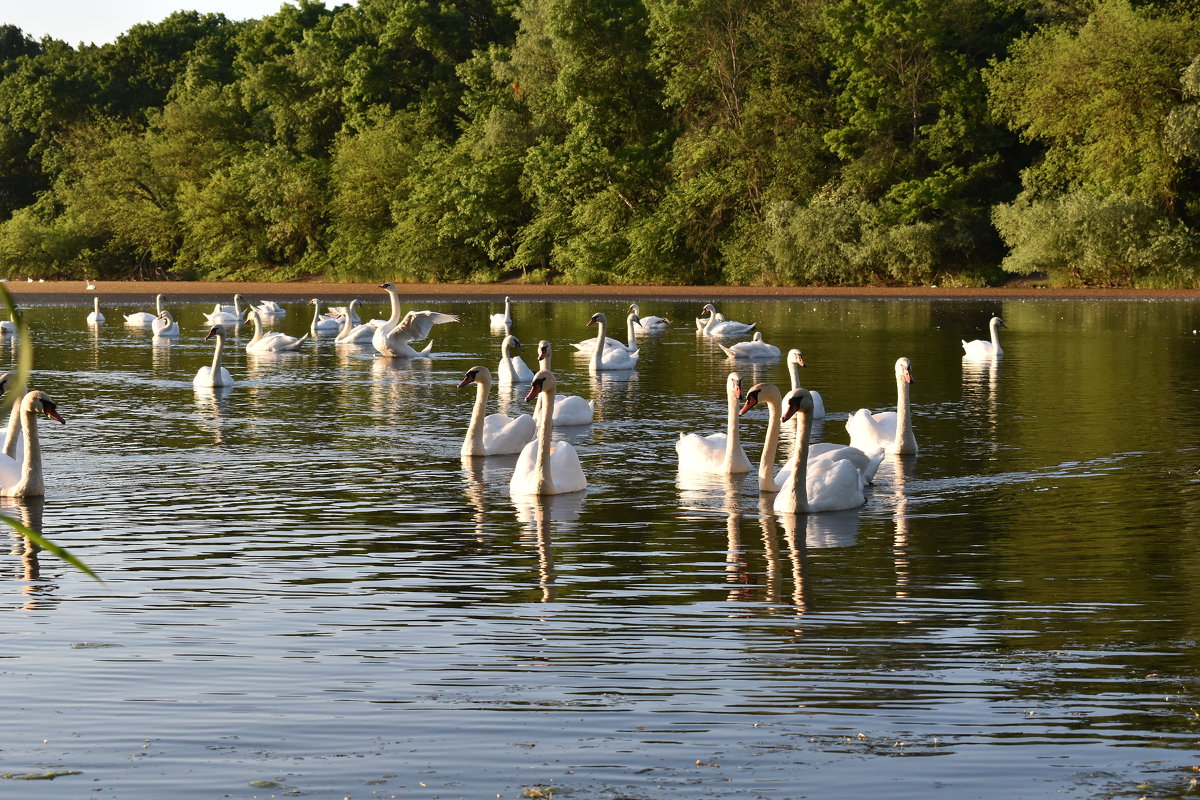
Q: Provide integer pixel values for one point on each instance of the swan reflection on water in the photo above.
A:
(212, 405)
(539, 514)
(28, 511)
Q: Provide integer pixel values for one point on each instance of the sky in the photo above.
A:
(101, 21)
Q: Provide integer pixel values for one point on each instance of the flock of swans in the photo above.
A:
(817, 477)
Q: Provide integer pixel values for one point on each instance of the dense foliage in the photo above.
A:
(673, 141)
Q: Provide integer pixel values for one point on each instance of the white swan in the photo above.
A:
(795, 360)
(96, 317)
(891, 430)
(144, 319)
(165, 326)
(569, 409)
(651, 323)
(724, 327)
(512, 369)
(320, 322)
(768, 481)
(546, 466)
(215, 376)
(24, 478)
(502, 321)
(226, 315)
(701, 321)
(269, 308)
(632, 321)
(342, 311)
(717, 453)
(981, 349)
(352, 332)
(9, 325)
(609, 358)
(494, 434)
(13, 439)
(392, 338)
(753, 349)
(273, 342)
(823, 485)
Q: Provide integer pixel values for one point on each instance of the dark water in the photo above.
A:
(308, 594)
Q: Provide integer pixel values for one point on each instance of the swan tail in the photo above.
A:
(868, 474)
(428, 348)
(728, 351)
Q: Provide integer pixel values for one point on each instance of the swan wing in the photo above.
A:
(417, 325)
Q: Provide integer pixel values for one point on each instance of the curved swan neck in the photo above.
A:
(14, 425)
(394, 319)
(216, 364)
(995, 326)
(630, 333)
(766, 461)
(473, 444)
(316, 316)
(601, 335)
(258, 331)
(732, 440)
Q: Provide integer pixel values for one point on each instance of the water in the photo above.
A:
(308, 593)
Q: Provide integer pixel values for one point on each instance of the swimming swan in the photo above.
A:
(144, 319)
(795, 360)
(494, 434)
(632, 321)
(812, 486)
(724, 327)
(502, 321)
(891, 430)
(165, 326)
(768, 481)
(652, 323)
(392, 338)
(352, 332)
(320, 322)
(215, 376)
(226, 315)
(273, 342)
(545, 466)
(609, 358)
(24, 478)
(569, 409)
(269, 308)
(512, 369)
(756, 348)
(717, 453)
(95, 317)
(980, 349)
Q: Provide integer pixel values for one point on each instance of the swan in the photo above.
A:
(545, 466)
(503, 320)
(822, 485)
(495, 434)
(215, 376)
(724, 327)
(165, 326)
(768, 481)
(320, 322)
(512, 369)
(226, 315)
(273, 342)
(13, 439)
(343, 311)
(569, 409)
(96, 317)
(717, 453)
(981, 349)
(632, 321)
(756, 348)
(269, 308)
(24, 478)
(795, 360)
(144, 319)
(652, 324)
(90, 284)
(702, 321)
(392, 337)
(609, 358)
(352, 332)
(891, 430)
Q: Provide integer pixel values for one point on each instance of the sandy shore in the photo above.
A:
(54, 292)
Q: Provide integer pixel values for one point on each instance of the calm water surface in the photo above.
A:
(308, 593)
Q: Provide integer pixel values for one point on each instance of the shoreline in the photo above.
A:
(52, 292)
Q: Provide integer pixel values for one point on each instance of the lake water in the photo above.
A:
(308, 593)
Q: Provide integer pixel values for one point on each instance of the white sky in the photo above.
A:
(101, 21)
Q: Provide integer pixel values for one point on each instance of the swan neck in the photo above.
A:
(794, 372)
(732, 440)
(394, 319)
(14, 425)
(473, 444)
(258, 331)
(630, 333)
(800, 461)
(766, 461)
(601, 335)
(904, 431)
(216, 364)
(31, 466)
(545, 479)
(995, 326)
(316, 317)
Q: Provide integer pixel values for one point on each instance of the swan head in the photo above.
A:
(166, 316)
(391, 287)
(314, 302)
(512, 341)
(708, 308)
(635, 309)
(759, 393)
(757, 336)
(543, 353)
(476, 375)
(794, 357)
(40, 403)
(218, 331)
(543, 382)
(798, 401)
(904, 370)
(997, 323)
(734, 384)
(597, 318)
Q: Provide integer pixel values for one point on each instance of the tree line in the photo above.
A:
(612, 141)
